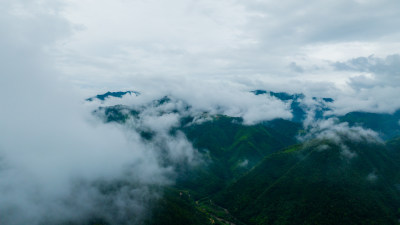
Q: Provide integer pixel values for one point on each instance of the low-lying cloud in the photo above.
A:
(188, 99)
(58, 163)
(334, 130)
(340, 133)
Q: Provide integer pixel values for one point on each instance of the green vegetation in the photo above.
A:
(232, 149)
(260, 174)
(387, 125)
(177, 207)
(307, 185)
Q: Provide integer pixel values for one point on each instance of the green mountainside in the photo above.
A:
(307, 184)
(312, 183)
(263, 174)
(387, 125)
(231, 149)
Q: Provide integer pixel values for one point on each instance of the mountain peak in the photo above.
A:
(117, 94)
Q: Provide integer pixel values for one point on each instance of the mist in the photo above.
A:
(58, 163)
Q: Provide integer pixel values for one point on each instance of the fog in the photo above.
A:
(59, 163)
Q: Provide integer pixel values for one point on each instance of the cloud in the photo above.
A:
(244, 163)
(372, 177)
(296, 68)
(326, 21)
(195, 97)
(346, 153)
(203, 39)
(333, 130)
(323, 147)
(374, 87)
(58, 164)
(378, 99)
(390, 65)
(338, 133)
(317, 48)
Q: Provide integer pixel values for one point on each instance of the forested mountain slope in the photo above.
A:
(275, 172)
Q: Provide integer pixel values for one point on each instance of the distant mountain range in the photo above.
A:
(265, 174)
(308, 184)
(118, 94)
(387, 125)
(299, 110)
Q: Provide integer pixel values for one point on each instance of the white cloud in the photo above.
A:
(338, 133)
(347, 153)
(244, 163)
(290, 46)
(372, 177)
(375, 86)
(335, 131)
(57, 165)
(206, 39)
(201, 96)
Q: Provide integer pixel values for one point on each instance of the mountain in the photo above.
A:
(232, 149)
(118, 94)
(177, 207)
(280, 95)
(300, 110)
(394, 152)
(264, 174)
(387, 125)
(316, 183)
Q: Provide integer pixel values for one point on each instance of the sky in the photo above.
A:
(54, 54)
(342, 49)
(258, 41)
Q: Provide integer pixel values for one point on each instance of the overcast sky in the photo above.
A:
(116, 43)
(120, 44)
(331, 48)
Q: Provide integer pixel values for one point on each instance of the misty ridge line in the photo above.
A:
(317, 118)
(140, 150)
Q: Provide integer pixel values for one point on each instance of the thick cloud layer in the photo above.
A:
(375, 86)
(211, 98)
(57, 163)
(60, 164)
(313, 47)
(230, 38)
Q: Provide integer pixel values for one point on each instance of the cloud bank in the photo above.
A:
(316, 48)
(58, 164)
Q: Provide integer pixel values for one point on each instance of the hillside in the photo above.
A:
(265, 174)
(387, 125)
(316, 183)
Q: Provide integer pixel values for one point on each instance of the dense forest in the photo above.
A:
(275, 172)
